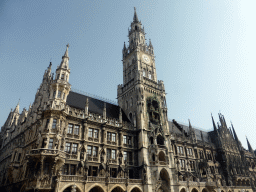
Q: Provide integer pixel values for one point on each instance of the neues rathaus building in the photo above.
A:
(72, 142)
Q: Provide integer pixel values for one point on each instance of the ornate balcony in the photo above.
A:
(47, 152)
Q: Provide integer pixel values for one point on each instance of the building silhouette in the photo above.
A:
(70, 141)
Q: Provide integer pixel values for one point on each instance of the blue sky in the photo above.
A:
(205, 53)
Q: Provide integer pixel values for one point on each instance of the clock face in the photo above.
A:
(146, 58)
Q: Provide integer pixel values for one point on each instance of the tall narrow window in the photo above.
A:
(113, 137)
(131, 101)
(54, 122)
(90, 132)
(19, 156)
(63, 97)
(130, 156)
(74, 148)
(113, 155)
(125, 139)
(96, 133)
(47, 123)
(76, 130)
(95, 151)
(109, 136)
(62, 76)
(144, 72)
(129, 140)
(182, 163)
(54, 94)
(125, 155)
(70, 128)
(50, 144)
(108, 153)
(65, 169)
(89, 150)
(59, 94)
(67, 147)
(72, 169)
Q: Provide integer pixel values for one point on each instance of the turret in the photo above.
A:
(60, 87)
(63, 71)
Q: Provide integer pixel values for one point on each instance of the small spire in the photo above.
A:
(17, 108)
(234, 132)
(150, 44)
(104, 111)
(120, 115)
(124, 46)
(249, 145)
(66, 53)
(189, 123)
(214, 126)
(202, 136)
(86, 108)
(135, 17)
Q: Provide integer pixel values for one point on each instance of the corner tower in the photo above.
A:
(142, 98)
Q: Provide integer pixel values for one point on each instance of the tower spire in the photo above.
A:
(135, 17)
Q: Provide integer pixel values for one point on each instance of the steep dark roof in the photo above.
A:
(78, 101)
(178, 130)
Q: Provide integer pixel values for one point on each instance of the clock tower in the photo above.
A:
(142, 98)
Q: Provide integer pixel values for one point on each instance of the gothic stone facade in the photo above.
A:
(68, 141)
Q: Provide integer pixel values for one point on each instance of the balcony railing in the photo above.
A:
(113, 180)
(98, 179)
(117, 180)
(72, 178)
(135, 181)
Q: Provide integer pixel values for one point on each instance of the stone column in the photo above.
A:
(103, 140)
(42, 166)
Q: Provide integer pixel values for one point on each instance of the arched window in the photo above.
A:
(131, 102)
(136, 28)
(62, 76)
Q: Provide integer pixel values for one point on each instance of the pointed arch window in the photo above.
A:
(144, 72)
(62, 76)
(149, 75)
